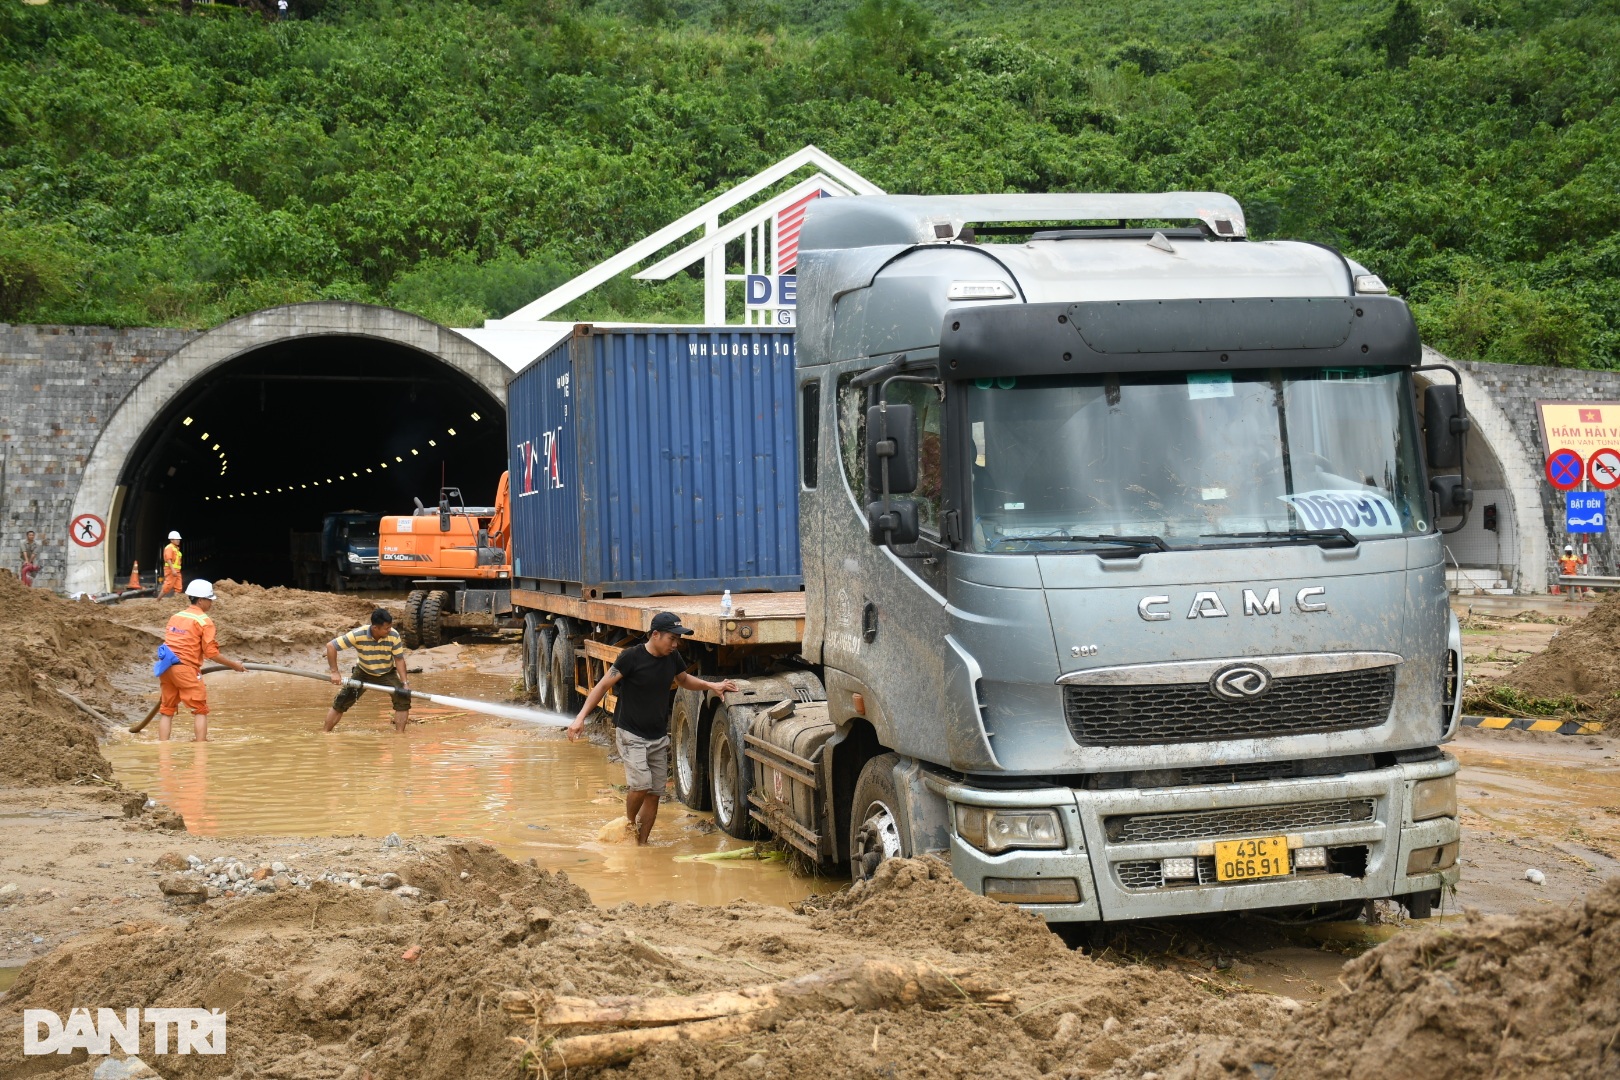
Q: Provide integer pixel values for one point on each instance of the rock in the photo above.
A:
(411, 953)
(409, 892)
(278, 868)
(266, 886)
(539, 920)
(370, 881)
(466, 876)
(183, 890)
(1068, 1027)
(1110, 1025)
(392, 840)
(261, 873)
(194, 860)
(1535, 877)
(8, 888)
(754, 1063)
(165, 818)
(281, 881)
(390, 880)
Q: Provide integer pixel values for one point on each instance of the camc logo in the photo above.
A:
(174, 1031)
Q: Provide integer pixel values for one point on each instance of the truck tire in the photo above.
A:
(410, 625)
(730, 775)
(537, 637)
(334, 580)
(564, 698)
(688, 756)
(874, 820)
(429, 626)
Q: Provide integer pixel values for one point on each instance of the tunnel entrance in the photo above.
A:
(265, 445)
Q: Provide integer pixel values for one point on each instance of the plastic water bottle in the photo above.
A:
(725, 605)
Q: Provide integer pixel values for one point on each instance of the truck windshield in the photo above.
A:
(1191, 459)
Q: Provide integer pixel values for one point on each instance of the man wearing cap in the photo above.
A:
(379, 659)
(171, 566)
(189, 638)
(645, 675)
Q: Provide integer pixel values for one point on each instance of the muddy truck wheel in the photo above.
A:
(564, 698)
(537, 637)
(410, 624)
(689, 760)
(730, 774)
(429, 625)
(874, 825)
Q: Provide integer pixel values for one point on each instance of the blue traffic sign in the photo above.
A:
(1585, 512)
(1565, 468)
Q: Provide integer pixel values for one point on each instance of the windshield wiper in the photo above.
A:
(1344, 537)
(1137, 544)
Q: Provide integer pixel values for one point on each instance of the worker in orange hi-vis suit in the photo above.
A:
(171, 566)
(190, 638)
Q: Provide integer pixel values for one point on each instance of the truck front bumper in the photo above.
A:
(1117, 841)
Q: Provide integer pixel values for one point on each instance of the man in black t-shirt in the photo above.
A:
(645, 675)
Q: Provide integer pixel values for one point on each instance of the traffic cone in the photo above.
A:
(135, 576)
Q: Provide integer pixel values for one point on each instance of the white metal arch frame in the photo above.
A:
(91, 570)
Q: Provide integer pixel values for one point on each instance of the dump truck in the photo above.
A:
(456, 560)
(1119, 536)
(342, 556)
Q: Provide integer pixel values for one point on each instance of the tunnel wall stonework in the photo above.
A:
(67, 442)
(58, 387)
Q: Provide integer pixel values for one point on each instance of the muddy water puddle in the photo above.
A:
(269, 770)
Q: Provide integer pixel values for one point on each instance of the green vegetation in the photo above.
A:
(457, 157)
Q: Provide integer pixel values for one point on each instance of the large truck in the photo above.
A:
(342, 556)
(1121, 555)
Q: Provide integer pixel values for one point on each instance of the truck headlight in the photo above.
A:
(994, 830)
(355, 558)
(1434, 798)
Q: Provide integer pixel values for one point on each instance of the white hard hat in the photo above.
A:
(1569, 547)
(173, 535)
(200, 589)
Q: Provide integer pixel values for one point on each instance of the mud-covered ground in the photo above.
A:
(379, 957)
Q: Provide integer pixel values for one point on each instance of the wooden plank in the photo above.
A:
(788, 756)
(785, 769)
(607, 653)
(756, 618)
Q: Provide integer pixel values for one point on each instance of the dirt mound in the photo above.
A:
(1577, 665)
(1535, 996)
(256, 623)
(55, 643)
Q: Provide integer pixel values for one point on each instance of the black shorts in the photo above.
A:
(347, 696)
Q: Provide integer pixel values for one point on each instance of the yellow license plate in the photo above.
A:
(1240, 860)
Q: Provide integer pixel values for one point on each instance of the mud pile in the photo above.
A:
(317, 982)
(1577, 663)
(1536, 996)
(256, 623)
(54, 643)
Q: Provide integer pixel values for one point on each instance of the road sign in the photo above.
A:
(1585, 512)
(1603, 469)
(87, 530)
(1565, 469)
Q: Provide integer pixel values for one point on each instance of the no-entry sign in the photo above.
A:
(87, 530)
(1603, 469)
(1565, 469)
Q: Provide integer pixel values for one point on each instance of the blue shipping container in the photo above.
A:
(653, 462)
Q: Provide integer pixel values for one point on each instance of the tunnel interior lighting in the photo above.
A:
(216, 446)
(451, 430)
(413, 452)
(186, 422)
(475, 416)
(382, 464)
(368, 470)
(432, 442)
(205, 436)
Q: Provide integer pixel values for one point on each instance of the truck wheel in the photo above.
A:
(688, 759)
(874, 824)
(410, 627)
(564, 698)
(334, 580)
(730, 778)
(430, 628)
(536, 656)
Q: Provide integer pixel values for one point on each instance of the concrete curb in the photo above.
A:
(1560, 727)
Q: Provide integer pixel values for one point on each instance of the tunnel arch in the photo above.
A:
(1501, 472)
(325, 344)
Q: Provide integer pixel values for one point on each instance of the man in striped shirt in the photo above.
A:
(379, 658)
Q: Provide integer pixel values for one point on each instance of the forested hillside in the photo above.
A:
(457, 158)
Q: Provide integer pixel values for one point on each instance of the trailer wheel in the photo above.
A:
(410, 627)
(688, 759)
(537, 637)
(874, 824)
(564, 698)
(430, 628)
(730, 777)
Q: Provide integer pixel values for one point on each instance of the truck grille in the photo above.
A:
(1349, 861)
(1188, 712)
(1237, 821)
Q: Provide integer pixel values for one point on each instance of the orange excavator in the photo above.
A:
(459, 560)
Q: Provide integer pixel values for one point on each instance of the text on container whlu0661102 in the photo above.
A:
(167, 1031)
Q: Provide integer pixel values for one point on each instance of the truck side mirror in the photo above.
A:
(1450, 495)
(897, 525)
(891, 439)
(1444, 424)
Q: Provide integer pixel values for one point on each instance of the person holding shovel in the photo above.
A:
(380, 658)
(188, 642)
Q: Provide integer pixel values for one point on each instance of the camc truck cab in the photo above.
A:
(1122, 556)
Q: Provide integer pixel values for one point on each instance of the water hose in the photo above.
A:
(506, 712)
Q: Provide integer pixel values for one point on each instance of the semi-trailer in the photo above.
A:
(1076, 538)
